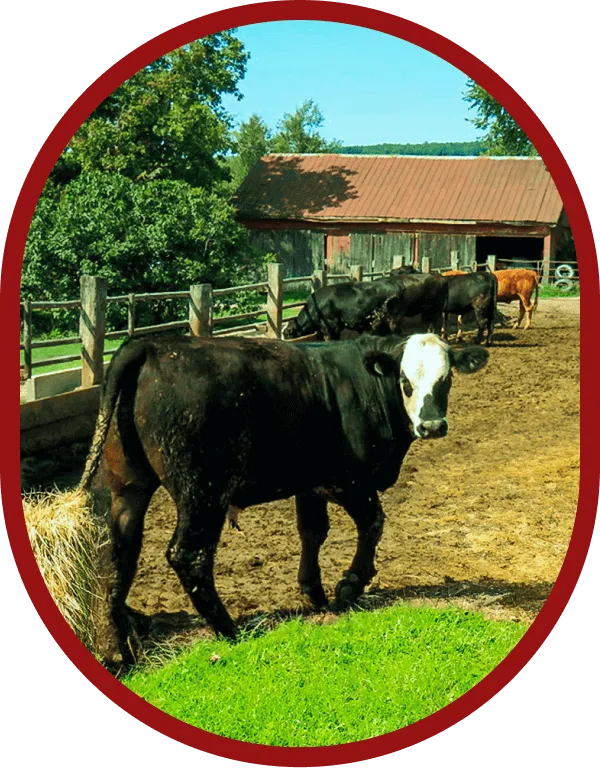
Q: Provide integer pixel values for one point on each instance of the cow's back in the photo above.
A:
(513, 283)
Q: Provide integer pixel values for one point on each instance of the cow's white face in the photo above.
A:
(425, 377)
(425, 381)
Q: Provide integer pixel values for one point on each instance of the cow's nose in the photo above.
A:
(431, 429)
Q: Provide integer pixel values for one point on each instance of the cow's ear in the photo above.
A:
(380, 363)
(468, 360)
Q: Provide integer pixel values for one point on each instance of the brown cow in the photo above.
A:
(519, 284)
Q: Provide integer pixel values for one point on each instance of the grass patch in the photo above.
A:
(307, 684)
(555, 291)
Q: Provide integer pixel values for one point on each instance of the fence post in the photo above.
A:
(27, 338)
(131, 314)
(356, 272)
(274, 300)
(546, 260)
(92, 326)
(425, 264)
(201, 309)
(453, 259)
(473, 266)
(319, 279)
(491, 263)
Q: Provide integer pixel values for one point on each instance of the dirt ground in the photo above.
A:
(481, 519)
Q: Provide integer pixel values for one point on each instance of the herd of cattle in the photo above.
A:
(226, 423)
(386, 305)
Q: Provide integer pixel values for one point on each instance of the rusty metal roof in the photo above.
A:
(399, 188)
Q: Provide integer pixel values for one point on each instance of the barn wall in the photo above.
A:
(337, 245)
(301, 251)
(389, 245)
(438, 248)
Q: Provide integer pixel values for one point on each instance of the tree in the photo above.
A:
(504, 135)
(155, 236)
(165, 122)
(138, 196)
(299, 132)
(252, 141)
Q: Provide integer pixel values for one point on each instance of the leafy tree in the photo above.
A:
(165, 122)
(139, 195)
(156, 236)
(252, 141)
(299, 132)
(504, 135)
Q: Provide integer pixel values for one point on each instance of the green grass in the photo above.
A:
(47, 353)
(309, 685)
(553, 291)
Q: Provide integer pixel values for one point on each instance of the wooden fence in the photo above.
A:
(201, 320)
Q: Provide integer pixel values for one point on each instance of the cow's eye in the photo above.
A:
(406, 385)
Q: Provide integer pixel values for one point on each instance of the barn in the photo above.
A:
(329, 211)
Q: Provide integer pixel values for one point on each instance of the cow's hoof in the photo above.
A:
(120, 652)
(141, 622)
(348, 590)
(316, 594)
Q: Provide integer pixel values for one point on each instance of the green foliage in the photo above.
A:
(503, 135)
(252, 141)
(298, 132)
(142, 237)
(165, 122)
(437, 148)
(309, 685)
(140, 194)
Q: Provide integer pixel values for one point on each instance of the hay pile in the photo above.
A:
(65, 538)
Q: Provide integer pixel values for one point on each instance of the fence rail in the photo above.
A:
(201, 316)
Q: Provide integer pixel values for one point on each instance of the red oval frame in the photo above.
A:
(9, 314)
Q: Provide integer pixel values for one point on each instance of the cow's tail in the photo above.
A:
(127, 361)
(537, 290)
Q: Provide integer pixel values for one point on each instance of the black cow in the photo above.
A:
(235, 422)
(407, 269)
(473, 292)
(378, 307)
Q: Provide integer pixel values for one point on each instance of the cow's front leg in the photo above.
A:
(313, 527)
(191, 554)
(444, 328)
(367, 513)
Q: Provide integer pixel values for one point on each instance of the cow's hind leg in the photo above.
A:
(527, 309)
(313, 527)
(521, 313)
(117, 635)
(367, 513)
(192, 549)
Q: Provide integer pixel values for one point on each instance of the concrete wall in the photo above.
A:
(58, 420)
(54, 383)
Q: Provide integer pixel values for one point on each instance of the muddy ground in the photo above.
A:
(481, 519)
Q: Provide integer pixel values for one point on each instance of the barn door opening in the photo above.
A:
(511, 252)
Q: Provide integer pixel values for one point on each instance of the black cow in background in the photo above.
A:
(200, 416)
(472, 292)
(379, 307)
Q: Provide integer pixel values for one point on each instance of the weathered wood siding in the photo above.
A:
(390, 245)
(437, 248)
(299, 250)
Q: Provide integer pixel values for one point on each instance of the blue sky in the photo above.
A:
(371, 87)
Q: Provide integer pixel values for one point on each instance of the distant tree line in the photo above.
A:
(439, 148)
